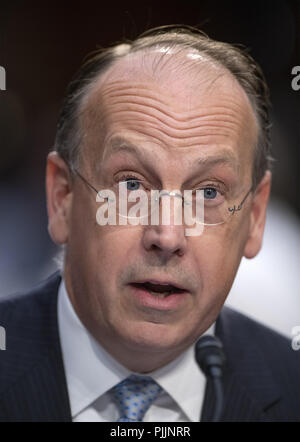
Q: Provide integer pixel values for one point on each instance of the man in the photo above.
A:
(172, 110)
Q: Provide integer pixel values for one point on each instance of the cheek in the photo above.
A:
(96, 256)
(98, 251)
(114, 245)
(217, 257)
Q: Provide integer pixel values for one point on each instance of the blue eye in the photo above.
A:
(132, 184)
(210, 193)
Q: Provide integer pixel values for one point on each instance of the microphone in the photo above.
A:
(210, 358)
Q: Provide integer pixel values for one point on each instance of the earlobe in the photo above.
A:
(59, 198)
(258, 217)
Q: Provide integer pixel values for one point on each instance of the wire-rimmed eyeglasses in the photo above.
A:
(212, 214)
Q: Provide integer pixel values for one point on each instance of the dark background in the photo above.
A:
(43, 43)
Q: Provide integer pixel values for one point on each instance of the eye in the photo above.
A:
(210, 193)
(132, 184)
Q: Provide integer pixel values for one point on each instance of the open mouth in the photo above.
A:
(158, 290)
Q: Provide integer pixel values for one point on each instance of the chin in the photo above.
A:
(156, 337)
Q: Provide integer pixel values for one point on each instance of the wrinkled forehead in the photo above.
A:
(179, 72)
(179, 90)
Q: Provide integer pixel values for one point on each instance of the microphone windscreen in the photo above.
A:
(209, 353)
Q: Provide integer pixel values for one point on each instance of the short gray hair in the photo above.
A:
(237, 61)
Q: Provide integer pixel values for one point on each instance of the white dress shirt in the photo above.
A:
(91, 372)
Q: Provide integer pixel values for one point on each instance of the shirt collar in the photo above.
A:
(88, 381)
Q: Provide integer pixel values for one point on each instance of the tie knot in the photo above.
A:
(134, 396)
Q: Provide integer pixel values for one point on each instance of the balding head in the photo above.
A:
(168, 43)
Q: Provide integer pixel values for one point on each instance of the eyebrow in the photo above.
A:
(225, 157)
(120, 144)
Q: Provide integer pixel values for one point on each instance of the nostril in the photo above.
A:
(155, 247)
(165, 240)
(170, 250)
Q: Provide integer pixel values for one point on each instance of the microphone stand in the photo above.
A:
(210, 358)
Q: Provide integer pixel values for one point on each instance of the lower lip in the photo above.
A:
(169, 302)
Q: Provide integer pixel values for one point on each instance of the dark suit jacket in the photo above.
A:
(261, 379)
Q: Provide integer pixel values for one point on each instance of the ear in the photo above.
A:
(258, 217)
(59, 198)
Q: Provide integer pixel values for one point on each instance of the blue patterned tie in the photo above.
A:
(134, 396)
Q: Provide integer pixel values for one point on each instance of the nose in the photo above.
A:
(166, 237)
(166, 240)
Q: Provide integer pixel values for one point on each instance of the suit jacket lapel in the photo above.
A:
(39, 390)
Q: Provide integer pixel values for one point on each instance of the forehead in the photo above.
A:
(174, 100)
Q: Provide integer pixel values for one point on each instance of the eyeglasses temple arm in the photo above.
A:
(85, 181)
(240, 206)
